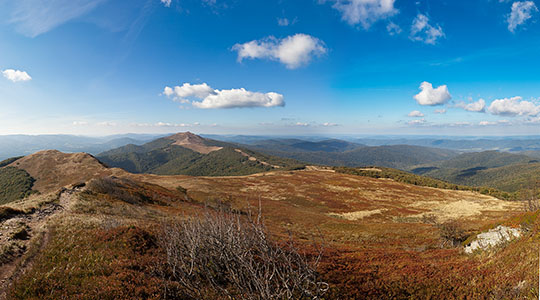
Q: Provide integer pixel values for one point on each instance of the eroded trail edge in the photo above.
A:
(25, 233)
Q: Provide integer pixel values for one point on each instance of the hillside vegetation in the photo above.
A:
(396, 156)
(505, 171)
(15, 184)
(8, 161)
(166, 157)
(405, 177)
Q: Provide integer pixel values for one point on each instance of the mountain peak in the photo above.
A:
(192, 141)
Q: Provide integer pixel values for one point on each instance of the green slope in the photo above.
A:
(15, 184)
(501, 170)
(163, 158)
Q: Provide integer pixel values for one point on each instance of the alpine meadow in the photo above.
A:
(259, 150)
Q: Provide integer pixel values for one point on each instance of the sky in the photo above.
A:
(282, 67)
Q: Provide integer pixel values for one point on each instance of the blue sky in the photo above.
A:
(270, 67)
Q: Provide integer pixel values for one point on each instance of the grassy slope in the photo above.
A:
(15, 184)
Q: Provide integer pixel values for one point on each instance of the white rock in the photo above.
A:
(493, 237)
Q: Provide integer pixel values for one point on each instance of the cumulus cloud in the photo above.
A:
(16, 75)
(213, 98)
(80, 123)
(415, 114)
(440, 111)
(364, 12)
(292, 51)
(422, 31)
(200, 91)
(430, 96)
(514, 106)
(167, 3)
(478, 106)
(521, 12)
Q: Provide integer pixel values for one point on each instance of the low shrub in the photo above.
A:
(219, 254)
(452, 234)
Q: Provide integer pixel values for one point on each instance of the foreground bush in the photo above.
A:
(218, 256)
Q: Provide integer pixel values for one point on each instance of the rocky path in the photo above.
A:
(19, 232)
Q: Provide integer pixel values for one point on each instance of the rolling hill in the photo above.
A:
(190, 154)
(298, 145)
(381, 237)
(342, 153)
(501, 170)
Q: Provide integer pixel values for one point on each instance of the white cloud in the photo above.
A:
(417, 122)
(300, 124)
(440, 111)
(167, 3)
(415, 114)
(211, 98)
(327, 124)
(292, 51)
(422, 31)
(487, 123)
(35, 17)
(514, 106)
(187, 90)
(80, 123)
(521, 12)
(364, 12)
(478, 106)
(16, 75)
(393, 28)
(431, 96)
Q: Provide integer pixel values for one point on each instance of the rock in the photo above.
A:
(493, 237)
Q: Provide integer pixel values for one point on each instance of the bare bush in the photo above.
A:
(220, 256)
(452, 233)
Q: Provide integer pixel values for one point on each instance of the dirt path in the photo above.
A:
(21, 234)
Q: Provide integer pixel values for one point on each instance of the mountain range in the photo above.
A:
(190, 154)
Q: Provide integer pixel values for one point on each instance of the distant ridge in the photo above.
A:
(186, 153)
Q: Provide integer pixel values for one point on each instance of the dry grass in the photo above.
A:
(53, 169)
(372, 253)
(358, 215)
